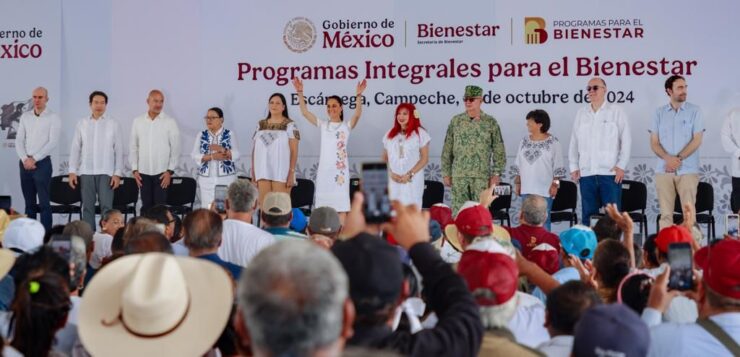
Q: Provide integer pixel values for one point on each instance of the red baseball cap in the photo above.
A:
(491, 277)
(546, 257)
(442, 214)
(672, 234)
(474, 221)
(721, 265)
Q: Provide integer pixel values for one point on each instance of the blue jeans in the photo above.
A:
(549, 208)
(596, 192)
(37, 183)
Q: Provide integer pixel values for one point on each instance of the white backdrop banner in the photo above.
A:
(30, 53)
(525, 55)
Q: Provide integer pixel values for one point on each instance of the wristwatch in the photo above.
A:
(556, 182)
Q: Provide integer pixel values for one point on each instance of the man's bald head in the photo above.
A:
(597, 80)
(155, 100)
(40, 97)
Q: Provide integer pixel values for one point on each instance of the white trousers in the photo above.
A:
(207, 187)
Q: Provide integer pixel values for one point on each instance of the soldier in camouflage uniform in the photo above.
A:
(473, 156)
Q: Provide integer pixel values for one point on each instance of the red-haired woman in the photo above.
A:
(406, 149)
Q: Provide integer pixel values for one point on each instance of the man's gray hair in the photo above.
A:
(242, 195)
(108, 214)
(534, 210)
(292, 295)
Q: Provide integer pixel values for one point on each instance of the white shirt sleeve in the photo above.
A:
(133, 147)
(424, 138)
(75, 151)
(625, 142)
(174, 139)
(117, 151)
(234, 147)
(729, 142)
(53, 139)
(518, 159)
(195, 153)
(292, 131)
(573, 155)
(20, 139)
(558, 166)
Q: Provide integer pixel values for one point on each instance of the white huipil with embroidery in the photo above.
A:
(403, 154)
(537, 163)
(332, 176)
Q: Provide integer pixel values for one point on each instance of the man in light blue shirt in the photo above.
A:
(675, 137)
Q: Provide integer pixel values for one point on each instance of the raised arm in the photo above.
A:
(298, 85)
(358, 104)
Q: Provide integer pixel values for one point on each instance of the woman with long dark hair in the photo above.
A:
(332, 177)
(39, 310)
(406, 149)
(275, 149)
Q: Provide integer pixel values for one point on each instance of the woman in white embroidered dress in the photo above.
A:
(406, 150)
(539, 164)
(275, 149)
(332, 177)
(215, 152)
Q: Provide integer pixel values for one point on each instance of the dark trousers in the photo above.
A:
(735, 195)
(95, 188)
(35, 183)
(596, 192)
(152, 192)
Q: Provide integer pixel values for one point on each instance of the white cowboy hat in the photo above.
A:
(155, 305)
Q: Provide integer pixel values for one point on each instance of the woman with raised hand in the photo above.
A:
(332, 177)
(406, 149)
(214, 151)
(275, 149)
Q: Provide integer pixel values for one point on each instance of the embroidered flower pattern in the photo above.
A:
(227, 166)
(341, 162)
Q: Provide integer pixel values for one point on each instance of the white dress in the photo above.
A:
(403, 153)
(332, 176)
(272, 151)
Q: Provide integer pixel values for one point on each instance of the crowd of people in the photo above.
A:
(219, 285)
(256, 279)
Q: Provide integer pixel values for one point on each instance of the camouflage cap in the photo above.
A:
(473, 91)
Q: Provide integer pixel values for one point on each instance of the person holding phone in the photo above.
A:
(215, 151)
(406, 150)
(473, 155)
(332, 176)
(539, 163)
(275, 149)
(716, 332)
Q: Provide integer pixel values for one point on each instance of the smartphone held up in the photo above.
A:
(374, 185)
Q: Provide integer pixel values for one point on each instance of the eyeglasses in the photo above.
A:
(211, 118)
(593, 88)
(470, 99)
